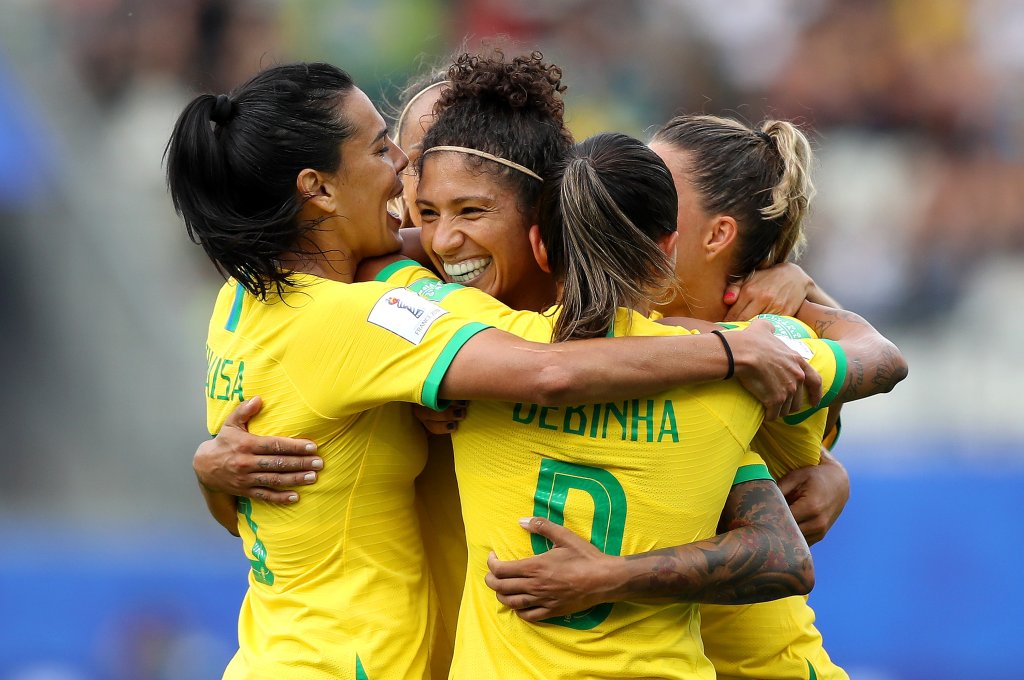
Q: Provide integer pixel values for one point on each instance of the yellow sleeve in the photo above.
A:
(751, 467)
(794, 441)
(372, 344)
(825, 356)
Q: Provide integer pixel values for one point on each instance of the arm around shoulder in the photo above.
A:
(874, 364)
(498, 365)
(760, 556)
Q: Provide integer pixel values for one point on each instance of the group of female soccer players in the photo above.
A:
(595, 409)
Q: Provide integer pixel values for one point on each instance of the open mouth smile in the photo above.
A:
(467, 270)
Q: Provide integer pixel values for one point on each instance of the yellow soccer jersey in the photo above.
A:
(787, 443)
(339, 587)
(767, 640)
(444, 541)
(633, 476)
(778, 640)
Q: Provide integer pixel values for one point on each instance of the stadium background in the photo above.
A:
(110, 568)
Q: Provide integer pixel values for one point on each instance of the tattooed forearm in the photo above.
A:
(853, 388)
(824, 319)
(873, 365)
(891, 369)
(761, 556)
(872, 369)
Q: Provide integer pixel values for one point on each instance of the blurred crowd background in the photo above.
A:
(916, 109)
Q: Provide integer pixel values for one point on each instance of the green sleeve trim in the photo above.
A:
(751, 473)
(236, 308)
(432, 289)
(384, 274)
(833, 392)
(728, 326)
(433, 382)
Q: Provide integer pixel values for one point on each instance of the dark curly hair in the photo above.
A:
(232, 161)
(511, 108)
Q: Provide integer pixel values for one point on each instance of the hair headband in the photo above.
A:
(401, 117)
(483, 154)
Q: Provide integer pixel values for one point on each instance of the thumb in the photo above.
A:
(732, 294)
(787, 483)
(791, 485)
(243, 413)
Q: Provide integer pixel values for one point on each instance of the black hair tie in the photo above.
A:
(223, 110)
(728, 354)
(765, 136)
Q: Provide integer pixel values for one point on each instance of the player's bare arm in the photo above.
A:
(760, 556)
(875, 365)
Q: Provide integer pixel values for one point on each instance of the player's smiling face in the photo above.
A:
(475, 234)
(367, 179)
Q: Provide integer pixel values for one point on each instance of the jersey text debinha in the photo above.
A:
(224, 377)
(634, 420)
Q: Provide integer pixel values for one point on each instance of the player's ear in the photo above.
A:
(719, 236)
(540, 251)
(318, 189)
(667, 244)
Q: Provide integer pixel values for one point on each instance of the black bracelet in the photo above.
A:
(728, 353)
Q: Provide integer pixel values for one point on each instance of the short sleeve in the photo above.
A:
(371, 344)
(751, 468)
(794, 441)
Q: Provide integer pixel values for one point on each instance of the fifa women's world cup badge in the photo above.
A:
(405, 314)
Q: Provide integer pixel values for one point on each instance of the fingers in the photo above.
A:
(280, 481)
(441, 422)
(243, 413)
(789, 482)
(508, 588)
(806, 511)
(272, 495)
(813, 529)
(506, 570)
(812, 384)
(281, 446)
(742, 310)
(732, 293)
(556, 533)
(772, 408)
(534, 614)
(248, 463)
